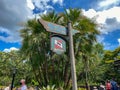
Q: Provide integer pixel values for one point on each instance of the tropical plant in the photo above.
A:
(10, 61)
(84, 40)
(49, 88)
(112, 69)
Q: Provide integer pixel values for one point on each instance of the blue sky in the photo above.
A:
(13, 13)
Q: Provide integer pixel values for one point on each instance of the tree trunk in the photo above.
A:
(66, 75)
(69, 81)
(34, 71)
(86, 73)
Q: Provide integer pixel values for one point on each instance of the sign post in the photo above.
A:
(12, 84)
(72, 58)
(58, 45)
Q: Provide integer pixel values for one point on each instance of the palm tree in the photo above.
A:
(84, 40)
(34, 47)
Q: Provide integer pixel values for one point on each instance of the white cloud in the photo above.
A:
(58, 1)
(3, 30)
(119, 41)
(109, 21)
(105, 4)
(11, 36)
(30, 4)
(12, 13)
(43, 4)
(90, 13)
(10, 49)
(11, 39)
(108, 18)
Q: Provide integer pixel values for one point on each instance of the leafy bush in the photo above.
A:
(49, 88)
(81, 89)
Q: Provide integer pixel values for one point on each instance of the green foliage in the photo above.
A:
(10, 61)
(49, 88)
(112, 70)
(81, 89)
(35, 82)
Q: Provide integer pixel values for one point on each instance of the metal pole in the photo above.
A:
(72, 58)
(14, 72)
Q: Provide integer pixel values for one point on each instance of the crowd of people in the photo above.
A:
(109, 85)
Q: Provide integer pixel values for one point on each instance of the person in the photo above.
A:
(102, 87)
(23, 85)
(118, 87)
(8, 87)
(108, 85)
(114, 84)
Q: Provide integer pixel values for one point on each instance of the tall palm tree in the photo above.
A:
(34, 46)
(86, 37)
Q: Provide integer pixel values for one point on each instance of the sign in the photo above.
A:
(51, 27)
(58, 45)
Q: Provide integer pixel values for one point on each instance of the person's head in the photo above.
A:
(22, 81)
(108, 81)
(113, 79)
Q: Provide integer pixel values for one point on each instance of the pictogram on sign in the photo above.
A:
(58, 45)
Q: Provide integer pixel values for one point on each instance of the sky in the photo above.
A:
(14, 12)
